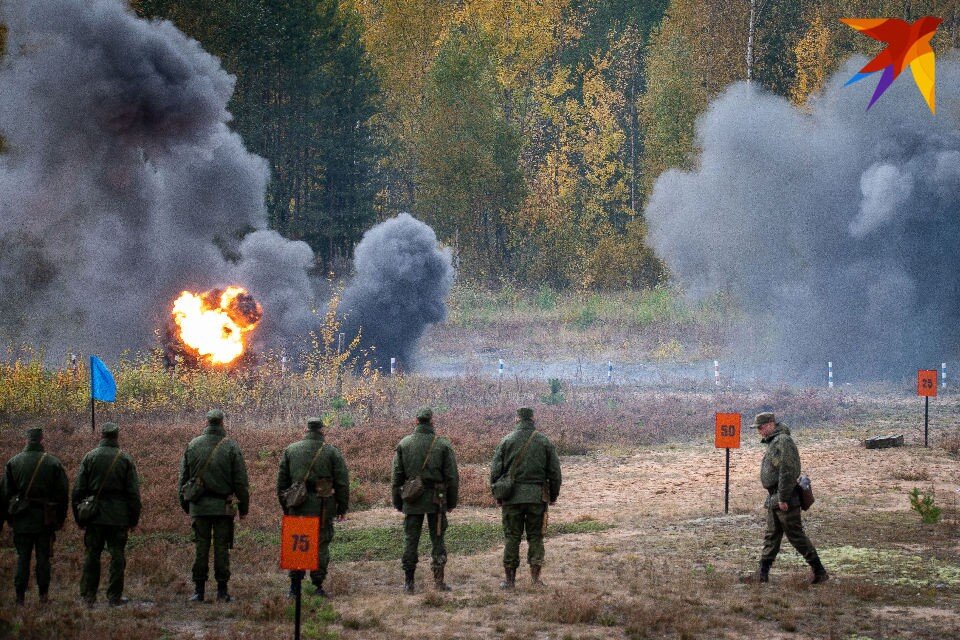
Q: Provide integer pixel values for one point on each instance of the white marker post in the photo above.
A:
(943, 376)
(500, 374)
(716, 372)
(393, 366)
(609, 372)
(830, 375)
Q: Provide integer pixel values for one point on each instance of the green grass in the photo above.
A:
(474, 307)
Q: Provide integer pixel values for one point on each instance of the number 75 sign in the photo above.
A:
(300, 543)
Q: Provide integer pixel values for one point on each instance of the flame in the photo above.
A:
(214, 324)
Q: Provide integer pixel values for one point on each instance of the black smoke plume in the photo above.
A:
(122, 185)
(400, 286)
(836, 229)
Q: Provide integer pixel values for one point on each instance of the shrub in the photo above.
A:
(923, 504)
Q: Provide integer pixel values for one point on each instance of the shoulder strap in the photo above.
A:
(34, 476)
(107, 477)
(209, 458)
(523, 450)
(429, 451)
(315, 456)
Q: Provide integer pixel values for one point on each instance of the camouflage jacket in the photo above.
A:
(539, 466)
(225, 475)
(3, 501)
(49, 490)
(780, 468)
(441, 469)
(294, 464)
(119, 499)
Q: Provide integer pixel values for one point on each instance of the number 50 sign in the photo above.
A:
(728, 431)
(300, 543)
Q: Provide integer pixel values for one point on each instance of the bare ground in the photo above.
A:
(666, 567)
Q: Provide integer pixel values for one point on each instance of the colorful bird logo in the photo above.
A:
(906, 44)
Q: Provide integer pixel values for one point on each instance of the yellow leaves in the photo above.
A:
(813, 60)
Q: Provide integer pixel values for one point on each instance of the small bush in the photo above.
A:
(923, 504)
(556, 395)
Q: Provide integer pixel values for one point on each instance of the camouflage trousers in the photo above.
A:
(518, 518)
(790, 523)
(412, 526)
(326, 536)
(217, 530)
(95, 539)
(26, 545)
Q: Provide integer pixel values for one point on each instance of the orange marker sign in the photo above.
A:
(728, 431)
(927, 382)
(300, 543)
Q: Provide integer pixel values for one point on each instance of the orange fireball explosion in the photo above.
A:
(214, 324)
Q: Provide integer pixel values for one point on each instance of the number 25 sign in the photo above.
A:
(728, 431)
(300, 543)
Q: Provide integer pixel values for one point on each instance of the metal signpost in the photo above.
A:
(299, 551)
(727, 437)
(926, 387)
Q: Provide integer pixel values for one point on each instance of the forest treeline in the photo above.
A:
(528, 133)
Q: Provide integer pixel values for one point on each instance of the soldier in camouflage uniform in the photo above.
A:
(779, 472)
(321, 468)
(536, 482)
(39, 480)
(218, 462)
(425, 455)
(108, 474)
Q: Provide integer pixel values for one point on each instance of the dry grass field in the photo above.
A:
(639, 546)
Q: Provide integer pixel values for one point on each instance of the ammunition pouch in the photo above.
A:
(412, 489)
(87, 510)
(17, 505)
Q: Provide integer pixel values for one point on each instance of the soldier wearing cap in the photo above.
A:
(108, 475)
(779, 473)
(212, 474)
(323, 472)
(531, 460)
(36, 484)
(426, 460)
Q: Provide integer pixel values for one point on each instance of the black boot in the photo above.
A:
(762, 574)
(438, 582)
(510, 577)
(819, 572)
(222, 595)
(318, 585)
(21, 598)
(198, 590)
(44, 597)
(409, 583)
(535, 575)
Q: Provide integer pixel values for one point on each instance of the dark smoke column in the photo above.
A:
(400, 286)
(835, 229)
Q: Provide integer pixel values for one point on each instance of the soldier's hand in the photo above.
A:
(784, 506)
(499, 503)
(553, 502)
(341, 517)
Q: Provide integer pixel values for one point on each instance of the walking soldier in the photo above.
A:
(106, 503)
(525, 478)
(779, 472)
(313, 481)
(212, 472)
(37, 487)
(425, 483)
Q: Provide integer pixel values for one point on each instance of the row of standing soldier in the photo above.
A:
(213, 489)
(313, 480)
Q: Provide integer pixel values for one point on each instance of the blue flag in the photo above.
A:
(102, 385)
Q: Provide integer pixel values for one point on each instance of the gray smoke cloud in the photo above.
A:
(401, 281)
(122, 185)
(836, 229)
